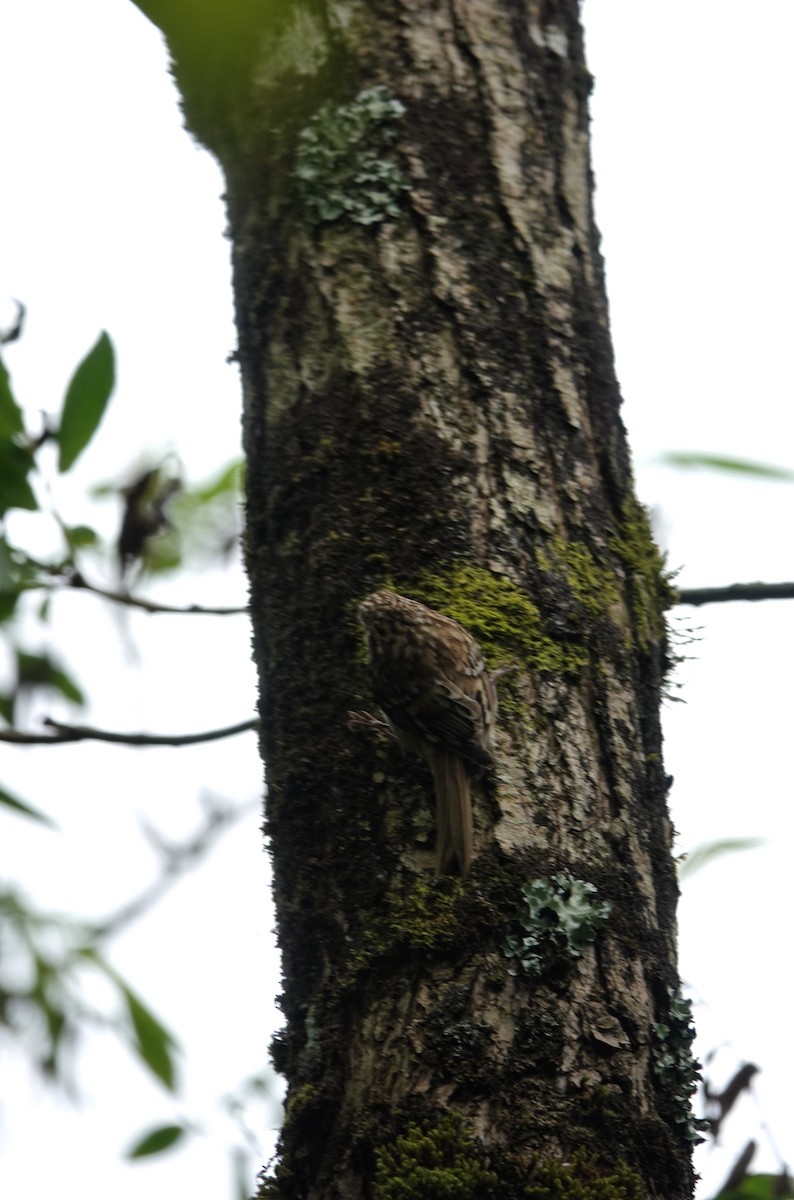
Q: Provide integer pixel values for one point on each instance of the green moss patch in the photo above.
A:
(594, 586)
(426, 919)
(583, 1178)
(507, 625)
(432, 1162)
(652, 593)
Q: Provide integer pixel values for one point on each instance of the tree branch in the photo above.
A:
(736, 591)
(78, 581)
(83, 733)
(692, 596)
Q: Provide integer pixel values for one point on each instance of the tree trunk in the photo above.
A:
(431, 406)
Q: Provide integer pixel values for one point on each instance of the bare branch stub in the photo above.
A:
(736, 591)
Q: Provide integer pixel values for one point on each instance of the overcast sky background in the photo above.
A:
(112, 218)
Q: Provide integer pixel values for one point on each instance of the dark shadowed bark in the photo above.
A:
(431, 405)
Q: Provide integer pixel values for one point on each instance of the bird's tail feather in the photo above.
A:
(454, 825)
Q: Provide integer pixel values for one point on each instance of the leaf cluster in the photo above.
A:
(82, 409)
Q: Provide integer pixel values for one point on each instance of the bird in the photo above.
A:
(429, 678)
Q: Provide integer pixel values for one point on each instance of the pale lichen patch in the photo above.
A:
(300, 48)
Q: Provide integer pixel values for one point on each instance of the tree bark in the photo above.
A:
(430, 405)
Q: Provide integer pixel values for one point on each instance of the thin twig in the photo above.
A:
(83, 733)
(177, 861)
(151, 606)
(736, 591)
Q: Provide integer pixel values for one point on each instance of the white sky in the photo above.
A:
(111, 218)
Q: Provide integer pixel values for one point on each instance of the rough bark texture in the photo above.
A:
(430, 404)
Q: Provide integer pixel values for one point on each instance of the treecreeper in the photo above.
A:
(429, 678)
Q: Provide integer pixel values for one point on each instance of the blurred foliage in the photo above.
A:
(203, 524)
(702, 855)
(718, 1103)
(37, 673)
(167, 525)
(164, 524)
(761, 1187)
(8, 800)
(43, 983)
(155, 1141)
(695, 460)
(50, 963)
(16, 456)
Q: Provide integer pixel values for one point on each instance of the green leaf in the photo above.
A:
(64, 684)
(162, 1137)
(10, 585)
(8, 604)
(702, 855)
(152, 1041)
(16, 460)
(10, 413)
(162, 556)
(15, 463)
(16, 568)
(27, 810)
(39, 670)
(80, 536)
(86, 399)
(155, 1044)
(228, 481)
(714, 462)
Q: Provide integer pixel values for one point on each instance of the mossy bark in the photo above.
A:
(430, 403)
